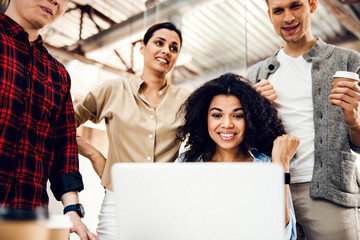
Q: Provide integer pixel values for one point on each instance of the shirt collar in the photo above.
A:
(319, 51)
(13, 29)
(138, 82)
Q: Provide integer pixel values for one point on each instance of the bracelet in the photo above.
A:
(354, 125)
(287, 178)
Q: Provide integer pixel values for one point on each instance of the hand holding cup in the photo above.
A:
(344, 76)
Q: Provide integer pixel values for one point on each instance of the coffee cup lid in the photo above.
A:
(345, 74)
(15, 214)
(59, 222)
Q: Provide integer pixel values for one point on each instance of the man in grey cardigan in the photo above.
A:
(298, 80)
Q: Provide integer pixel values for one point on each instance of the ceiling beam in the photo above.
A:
(345, 15)
(168, 11)
(83, 59)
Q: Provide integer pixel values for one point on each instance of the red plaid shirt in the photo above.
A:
(37, 125)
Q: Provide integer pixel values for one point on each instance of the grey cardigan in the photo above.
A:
(335, 175)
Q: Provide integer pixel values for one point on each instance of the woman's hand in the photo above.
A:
(284, 149)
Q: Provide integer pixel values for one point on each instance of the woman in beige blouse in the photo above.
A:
(139, 114)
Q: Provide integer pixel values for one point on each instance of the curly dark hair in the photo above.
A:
(262, 125)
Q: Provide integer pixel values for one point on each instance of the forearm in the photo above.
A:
(287, 189)
(283, 150)
(98, 161)
(287, 211)
(69, 198)
(87, 150)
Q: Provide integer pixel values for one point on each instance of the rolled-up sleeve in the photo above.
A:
(65, 175)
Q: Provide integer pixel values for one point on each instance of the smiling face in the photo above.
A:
(291, 19)
(36, 14)
(161, 51)
(226, 123)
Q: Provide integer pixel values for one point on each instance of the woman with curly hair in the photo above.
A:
(226, 120)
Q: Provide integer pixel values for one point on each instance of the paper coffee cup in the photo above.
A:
(22, 224)
(342, 76)
(59, 227)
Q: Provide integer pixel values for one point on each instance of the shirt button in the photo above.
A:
(148, 158)
(151, 116)
(150, 136)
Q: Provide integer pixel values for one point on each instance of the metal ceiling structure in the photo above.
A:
(99, 39)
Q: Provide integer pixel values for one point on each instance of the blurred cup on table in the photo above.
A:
(16, 224)
(342, 76)
(59, 227)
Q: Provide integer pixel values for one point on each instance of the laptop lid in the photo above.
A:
(199, 201)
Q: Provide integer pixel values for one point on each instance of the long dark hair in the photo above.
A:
(168, 25)
(262, 125)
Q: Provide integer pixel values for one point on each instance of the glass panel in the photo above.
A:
(214, 37)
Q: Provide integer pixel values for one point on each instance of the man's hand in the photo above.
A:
(347, 96)
(266, 89)
(284, 148)
(79, 227)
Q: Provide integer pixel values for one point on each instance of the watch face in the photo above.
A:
(81, 210)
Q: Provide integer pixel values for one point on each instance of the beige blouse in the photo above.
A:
(136, 131)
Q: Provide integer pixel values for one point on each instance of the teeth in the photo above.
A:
(162, 60)
(227, 135)
(290, 28)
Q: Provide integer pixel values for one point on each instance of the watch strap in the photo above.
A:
(75, 207)
(70, 208)
(287, 178)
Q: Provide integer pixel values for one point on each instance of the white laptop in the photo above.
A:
(199, 201)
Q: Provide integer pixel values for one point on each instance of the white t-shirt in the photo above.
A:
(292, 83)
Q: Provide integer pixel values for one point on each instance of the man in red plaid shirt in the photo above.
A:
(37, 125)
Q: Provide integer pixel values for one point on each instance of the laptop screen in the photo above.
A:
(199, 201)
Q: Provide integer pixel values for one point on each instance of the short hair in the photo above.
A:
(167, 25)
(262, 125)
(267, 2)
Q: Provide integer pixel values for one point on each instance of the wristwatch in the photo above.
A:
(78, 208)
(287, 178)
